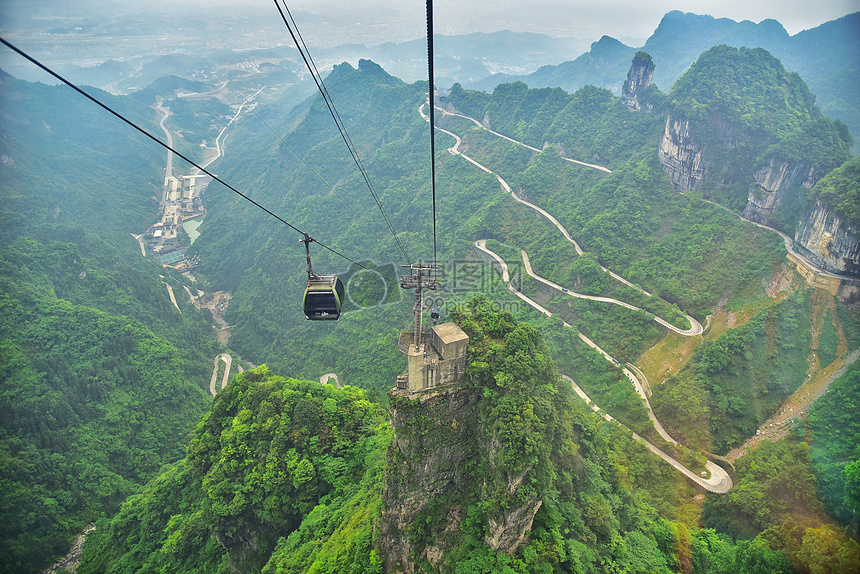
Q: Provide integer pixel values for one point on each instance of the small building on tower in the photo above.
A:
(439, 360)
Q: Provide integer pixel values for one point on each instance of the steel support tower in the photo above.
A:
(420, 277)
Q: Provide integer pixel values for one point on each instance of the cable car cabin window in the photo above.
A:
(323, 298)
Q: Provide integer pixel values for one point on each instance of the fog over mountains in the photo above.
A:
(684, 259)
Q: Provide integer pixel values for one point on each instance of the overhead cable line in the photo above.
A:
(293, 29)
(301, 159)
(432, 103)
(164, 145)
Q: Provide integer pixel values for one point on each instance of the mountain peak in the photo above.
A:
(608, 43)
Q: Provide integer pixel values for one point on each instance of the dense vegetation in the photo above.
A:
(749, 370)
(687, 251)
(841, 190)
(835, 441)
(101, 375)
(579, 468)
(679, 247)
(274, 473)
(287, 476)
(775, 496)
(282, 475)
(747, 112)
(737, 381)
(580, 123)
(277, 471)
(93, 405)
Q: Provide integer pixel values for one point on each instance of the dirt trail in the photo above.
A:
(797, 406)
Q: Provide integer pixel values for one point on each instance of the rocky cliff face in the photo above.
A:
(773, 184)
(824, 239)
(424, 461)
(432, 459)
(682, 160)
(638, 79)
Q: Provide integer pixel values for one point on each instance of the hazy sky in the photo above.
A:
(405, 18)
(634, 18)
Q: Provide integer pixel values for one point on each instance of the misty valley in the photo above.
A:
(635, 349)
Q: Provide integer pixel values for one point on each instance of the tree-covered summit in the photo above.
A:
(745, 98)
(287, 476)
(841, 190)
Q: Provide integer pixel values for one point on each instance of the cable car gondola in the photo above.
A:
(323, 299)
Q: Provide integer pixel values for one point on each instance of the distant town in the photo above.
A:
(181, 202)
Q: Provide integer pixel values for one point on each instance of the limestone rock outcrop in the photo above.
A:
(772, 186)
(638, 79)
(823, 237)
(431, 442)
(436, 440)
(682, 160)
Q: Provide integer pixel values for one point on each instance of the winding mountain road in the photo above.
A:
(695, 327)
(481, 244)
(719, 480)
(525, 145)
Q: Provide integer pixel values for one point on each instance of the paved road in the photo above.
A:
(172, 296)
(139, 239)
(773, 428)
(719, 481)
(696, 329)
(228, 362)
(169, 171)
(506, 277)
(480, 125)
(719, 477)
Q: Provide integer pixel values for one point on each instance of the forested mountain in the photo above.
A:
(287, 476)
(745, 131)
(825, 57)
(102, 377)
(692, 253)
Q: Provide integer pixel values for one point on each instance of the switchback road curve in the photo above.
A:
(719, 481)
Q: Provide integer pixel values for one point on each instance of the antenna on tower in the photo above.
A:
(420, 277)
